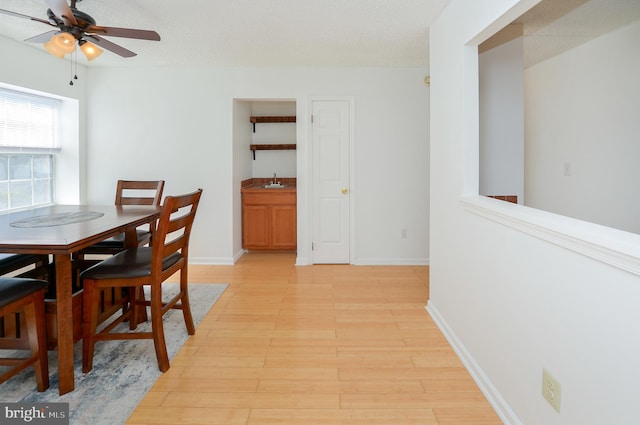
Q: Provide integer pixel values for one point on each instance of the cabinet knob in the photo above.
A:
(345, 190)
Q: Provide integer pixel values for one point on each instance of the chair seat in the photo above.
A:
(13, 262)
(128, 264)
(12, 289)
(118, 240)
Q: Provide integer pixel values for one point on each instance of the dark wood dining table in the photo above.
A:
(62, 230)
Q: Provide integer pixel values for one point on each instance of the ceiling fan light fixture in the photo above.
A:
(60, 44)
(65, 42)
(51, 47)
(74, 25)
(90, 50)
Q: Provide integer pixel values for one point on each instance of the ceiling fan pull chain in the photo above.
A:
(74, 67)
(71, 62)
(75, 64)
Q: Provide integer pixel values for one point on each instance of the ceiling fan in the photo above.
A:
(76, 26)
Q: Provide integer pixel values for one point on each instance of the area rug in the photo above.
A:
(123, 371)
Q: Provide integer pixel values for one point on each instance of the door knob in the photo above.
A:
(345, 190)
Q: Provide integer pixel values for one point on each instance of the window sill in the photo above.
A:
(33, 150)
(614, 247)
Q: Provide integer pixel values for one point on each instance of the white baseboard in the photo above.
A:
(499, 404)
(239, 254)
(304, 261)
(211, 261)
(372, 261)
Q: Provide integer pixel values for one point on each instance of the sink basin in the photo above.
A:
(273, 186)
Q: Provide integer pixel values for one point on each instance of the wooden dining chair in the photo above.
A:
(24, 296)
(130, 192)
(134, 268)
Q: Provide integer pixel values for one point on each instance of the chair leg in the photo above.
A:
(91, 302)
(133, 292)
(36, 332)
(184, 301)
(157, 328)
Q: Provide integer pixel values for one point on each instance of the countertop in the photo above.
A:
(257, 185)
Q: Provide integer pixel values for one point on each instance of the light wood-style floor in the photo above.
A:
(315, 345)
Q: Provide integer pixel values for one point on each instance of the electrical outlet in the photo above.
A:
(551, 390)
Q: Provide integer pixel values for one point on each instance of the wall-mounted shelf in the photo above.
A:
(269, 119)
(280, 147)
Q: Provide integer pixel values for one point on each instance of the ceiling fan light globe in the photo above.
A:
(51, 47)
(90, 50)
(64, 42)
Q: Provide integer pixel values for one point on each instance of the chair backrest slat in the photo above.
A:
(139, 192)
(174, 228)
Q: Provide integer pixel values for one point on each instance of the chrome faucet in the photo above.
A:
(274, 179)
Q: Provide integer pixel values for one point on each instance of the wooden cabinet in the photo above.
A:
(269, 219)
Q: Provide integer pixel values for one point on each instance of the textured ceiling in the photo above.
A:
(254, 32)
(287, 33)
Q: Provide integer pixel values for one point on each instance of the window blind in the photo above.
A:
(28, 120)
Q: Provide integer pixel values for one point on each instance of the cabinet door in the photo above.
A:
(255, 226)
(283, 227)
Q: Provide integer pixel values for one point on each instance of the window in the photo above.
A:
(29, 133)
(25, 180)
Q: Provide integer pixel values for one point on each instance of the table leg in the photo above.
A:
(65, 319)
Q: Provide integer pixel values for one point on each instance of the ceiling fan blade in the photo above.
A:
(123, 32)
(112, 47)
(20, 15)
(42, 38)
(62, 10)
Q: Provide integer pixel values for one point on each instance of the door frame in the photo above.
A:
(352, 181)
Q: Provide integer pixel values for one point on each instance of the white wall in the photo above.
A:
(582, 110)
(516, 289)
(242, 166)
(502, 120)
(178, 124)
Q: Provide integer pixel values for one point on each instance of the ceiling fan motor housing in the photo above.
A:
(83, 20)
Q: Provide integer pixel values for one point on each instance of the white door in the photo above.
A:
(331, 140)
